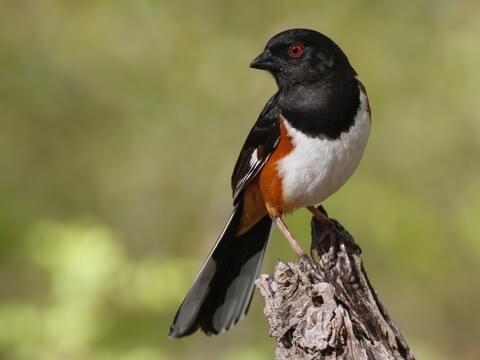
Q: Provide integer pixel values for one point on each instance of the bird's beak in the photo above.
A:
(264, 61)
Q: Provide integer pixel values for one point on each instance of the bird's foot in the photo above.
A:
(325, 237)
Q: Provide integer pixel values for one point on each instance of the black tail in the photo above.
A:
(223, 289)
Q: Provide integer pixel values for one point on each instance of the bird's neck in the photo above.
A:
(325, 108)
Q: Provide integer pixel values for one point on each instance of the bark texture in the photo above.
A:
(326, 308)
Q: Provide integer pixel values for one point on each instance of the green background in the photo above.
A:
(120, 124)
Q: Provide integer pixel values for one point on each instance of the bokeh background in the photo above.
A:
(120, 122)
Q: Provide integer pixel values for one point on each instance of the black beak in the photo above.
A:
(264, 61)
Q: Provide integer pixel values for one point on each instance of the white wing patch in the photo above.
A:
(254, 165)
(254, 159)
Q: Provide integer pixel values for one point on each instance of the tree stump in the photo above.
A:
(326, 308)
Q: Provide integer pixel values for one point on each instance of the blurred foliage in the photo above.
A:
(120, 124)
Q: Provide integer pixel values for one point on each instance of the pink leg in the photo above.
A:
(293, 243)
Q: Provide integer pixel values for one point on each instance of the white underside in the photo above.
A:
(318, 167)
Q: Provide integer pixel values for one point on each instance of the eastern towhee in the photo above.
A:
(306, 143)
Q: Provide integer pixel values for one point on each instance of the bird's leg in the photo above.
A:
(328, 226)
(293, 243)
(320, 216)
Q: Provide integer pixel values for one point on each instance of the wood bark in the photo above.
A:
(326, 308)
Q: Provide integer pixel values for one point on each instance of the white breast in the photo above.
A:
(318, 167)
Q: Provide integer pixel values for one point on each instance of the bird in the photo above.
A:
(306, 143)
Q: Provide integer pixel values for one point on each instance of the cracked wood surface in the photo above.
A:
(326, 308)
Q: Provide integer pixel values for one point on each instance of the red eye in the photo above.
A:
(296, 50)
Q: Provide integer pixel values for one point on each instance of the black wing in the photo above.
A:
(260, 143)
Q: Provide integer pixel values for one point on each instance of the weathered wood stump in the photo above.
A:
(326, 308)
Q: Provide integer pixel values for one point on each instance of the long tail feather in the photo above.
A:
(223, 289)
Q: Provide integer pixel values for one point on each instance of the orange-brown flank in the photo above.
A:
(270, 182)
(264, 194)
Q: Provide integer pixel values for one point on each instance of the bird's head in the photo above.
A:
(302, 56)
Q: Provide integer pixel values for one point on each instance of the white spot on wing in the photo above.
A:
(253, 167)
(254, 159)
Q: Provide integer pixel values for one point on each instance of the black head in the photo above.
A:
(302, 56)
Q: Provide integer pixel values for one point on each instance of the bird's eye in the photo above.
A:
(296, 50)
